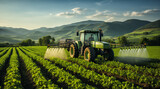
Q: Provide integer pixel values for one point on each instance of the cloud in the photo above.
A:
(98, 3)
(78, 10)
(74, 12)
(134, 13)
(103, 2)
(126, 14)
(66, 14)
(142, 13)
(108, 15)
(109, 19)
(98, 14)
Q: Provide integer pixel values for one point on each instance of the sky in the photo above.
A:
(32, 14)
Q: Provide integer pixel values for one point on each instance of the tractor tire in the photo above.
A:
(74, 50)
(89, 54)
(109, 55)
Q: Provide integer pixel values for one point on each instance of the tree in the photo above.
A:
(45, 40)
(144, 40)
(122, 40)
(40, 41)
(145, 33)
(27, 42)
(53, 39)
(155, 40)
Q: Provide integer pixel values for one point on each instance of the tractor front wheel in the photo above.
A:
(89, 54)
(74, 51)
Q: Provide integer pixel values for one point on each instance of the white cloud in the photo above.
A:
(151, 11)
(142, 13)
(109, 19)
(74, 12)
(66, 14)
(78, 10)
(98, 14)
(103, 2)
(103, 15)
(134, 13)
(126, 14)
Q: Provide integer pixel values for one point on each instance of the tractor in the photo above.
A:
(90, 46)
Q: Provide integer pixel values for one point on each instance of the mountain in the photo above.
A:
(10, 30)
(149, 30)
(120, 28)
(110, 29)
(155, 24)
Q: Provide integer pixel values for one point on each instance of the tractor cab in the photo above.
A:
(88, 35)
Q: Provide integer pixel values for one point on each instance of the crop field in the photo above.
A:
(25, 68)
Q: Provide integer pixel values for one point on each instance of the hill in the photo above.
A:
(155, 24)
(110, 29)
(149, 30)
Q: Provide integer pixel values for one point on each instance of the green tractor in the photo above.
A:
(90, 45)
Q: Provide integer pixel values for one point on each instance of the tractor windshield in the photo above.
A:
(91, 36)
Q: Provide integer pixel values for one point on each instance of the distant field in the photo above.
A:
(137, 35)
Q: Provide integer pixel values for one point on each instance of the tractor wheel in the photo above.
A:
(74, 51)
(89, 54)
(109, 54)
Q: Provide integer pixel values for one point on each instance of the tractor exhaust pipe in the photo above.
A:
(101, 34)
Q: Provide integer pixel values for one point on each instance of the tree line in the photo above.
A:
(27, 42)
(44, 41)
(154, 41)
(123, 41)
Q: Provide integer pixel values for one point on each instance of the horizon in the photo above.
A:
(77, 22)
(33, 14)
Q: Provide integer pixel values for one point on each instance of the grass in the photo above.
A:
(154, 52)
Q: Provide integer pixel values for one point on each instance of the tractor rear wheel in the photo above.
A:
(74, 51)
(109, 54)
(89, 54)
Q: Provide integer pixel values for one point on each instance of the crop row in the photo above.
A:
(105, 81)
(3, 48)
(40, 50)
(63, 76)
(4, 58)
(143, 80)
(135, 68)
(13, 77)
(142, 70)
(33, 51)
(37, 77)
(3, 52)
(155, 65)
